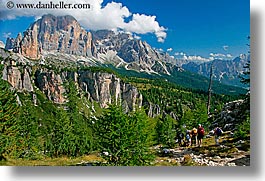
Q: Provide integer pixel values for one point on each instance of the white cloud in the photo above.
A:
(6, 35)
(217, 55)
(111, 16)
(160, 49)
(229, 56)
(143, 24)
(179, 54)
(136, 37)
(195, 58)
(225, 47)
(220, 56)
(169, 50)
(198, 58)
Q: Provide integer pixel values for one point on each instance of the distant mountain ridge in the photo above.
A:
(63, 34)
(225, 71)
(63, 39)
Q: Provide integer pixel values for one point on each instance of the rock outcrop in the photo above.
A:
(231, 115)
(101, 87)
(19, 78)
(62, 34)
(138, 54)
(225, 71)
(51, 85)
(2, 45)
(153, 110)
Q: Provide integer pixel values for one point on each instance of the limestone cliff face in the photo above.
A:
(62, 34)
(101, 87)
(19, 78)
(51, 85)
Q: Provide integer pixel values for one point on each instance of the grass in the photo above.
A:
(209, 148)
(60, 161)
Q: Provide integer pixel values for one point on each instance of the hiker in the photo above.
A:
(194, 136)
(200, 134)
(188, 138)
(180, 138)
(217, 132)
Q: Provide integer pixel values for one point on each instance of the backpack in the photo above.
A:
(201, 131)
(219, 131)
(194, 131)
(187, 136)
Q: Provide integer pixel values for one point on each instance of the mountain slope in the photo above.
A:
(63, 43)
(224, 71)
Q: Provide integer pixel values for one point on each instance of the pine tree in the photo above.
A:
(8, 111)
(166, 131)
(28, 134)
(81, 136)
(126, 138)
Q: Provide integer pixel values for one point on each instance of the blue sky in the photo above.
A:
(193, 27)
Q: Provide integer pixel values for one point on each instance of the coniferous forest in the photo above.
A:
(96, 87)
(37, 129)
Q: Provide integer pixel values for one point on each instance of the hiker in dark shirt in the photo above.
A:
(200, 134)
(180, 137)
(217, 133)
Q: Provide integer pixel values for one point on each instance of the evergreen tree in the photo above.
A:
(243, 129)
(8, 111)
(81, 136)
(59, 140)
(166, 131)
(28, 135)
(126, 138)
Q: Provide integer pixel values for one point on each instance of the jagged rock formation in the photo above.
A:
(138, 54)
(153, 110)
(224, 71)
(231, 115)
(10, 43)
(62, 34)
(104, 88)
(18, 77)
(51, 85)
(2, 45)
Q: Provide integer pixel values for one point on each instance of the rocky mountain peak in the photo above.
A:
(52, 24)
(50, 33)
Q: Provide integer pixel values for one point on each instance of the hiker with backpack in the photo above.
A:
(188, 138)
(200, 134)
(194, 136)
(180, 137)
(217, 132)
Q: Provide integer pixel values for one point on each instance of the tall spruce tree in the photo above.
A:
(125, 138)
(81, 135)
(8, 126)
(166, 131)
